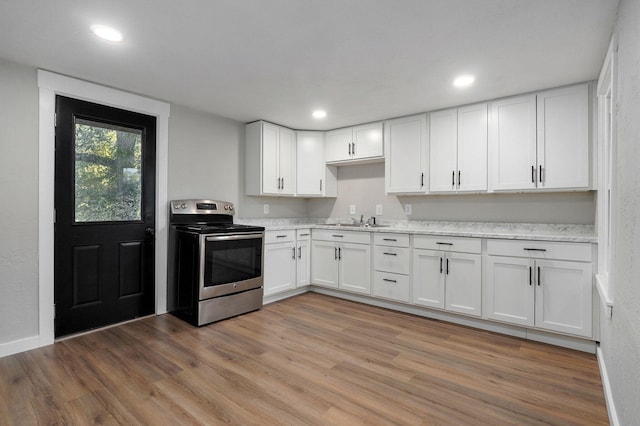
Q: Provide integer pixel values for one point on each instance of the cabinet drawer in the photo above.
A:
(391, 286)
(392, 240)
(459, 244)
(391, 259)
(303, 234)
(540, 249)
(283, 236)
(357, 237)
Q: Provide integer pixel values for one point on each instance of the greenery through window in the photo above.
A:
(108, 172)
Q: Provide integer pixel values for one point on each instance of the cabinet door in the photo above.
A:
(406, 159)
(428, 278)
(310, 163)
(270, 158)
(463, 283)
(303, 265)
(338, 145)
(443, 150)
(512, 144)
(287, 161)
(509, 290)
(472, 148)
(564, 297)
(355, 267)
(279, 268)
(367, 141)
(324, 264)
(563, 138)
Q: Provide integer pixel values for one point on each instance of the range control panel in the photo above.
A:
(201, 207)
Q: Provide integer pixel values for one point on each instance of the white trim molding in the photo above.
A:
(608, 395)
(50, 85)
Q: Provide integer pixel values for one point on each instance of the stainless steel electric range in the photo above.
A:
(215, 266)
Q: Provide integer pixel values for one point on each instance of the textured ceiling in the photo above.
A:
(280, 59)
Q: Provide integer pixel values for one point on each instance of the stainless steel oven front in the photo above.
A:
(230, 263)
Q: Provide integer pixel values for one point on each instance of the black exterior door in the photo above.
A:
(105, 215)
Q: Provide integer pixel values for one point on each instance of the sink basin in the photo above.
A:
(353, 225)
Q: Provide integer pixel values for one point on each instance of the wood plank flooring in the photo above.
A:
(311, 359)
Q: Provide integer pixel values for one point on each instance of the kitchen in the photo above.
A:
(210, 137)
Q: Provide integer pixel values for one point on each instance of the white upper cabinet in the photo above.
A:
(541, 141)
(314, 178)
(269, 159)
(512, 144)
(443, 150)
(563, 138)
(406, 159)
(355, 144)
(458, 149)
(472, 148)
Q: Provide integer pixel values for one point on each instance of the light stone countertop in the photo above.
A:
(512, 231)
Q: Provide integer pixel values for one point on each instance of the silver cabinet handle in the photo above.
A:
(282, 183)
(349, 149)
(304, 235)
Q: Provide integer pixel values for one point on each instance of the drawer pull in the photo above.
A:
(389, 281)
(389, 239)
(444, 244)
(337, 235)
(304, 235)
(534, 249)
(281, 236)
(389, 254)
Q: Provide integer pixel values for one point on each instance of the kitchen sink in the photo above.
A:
(354, 225)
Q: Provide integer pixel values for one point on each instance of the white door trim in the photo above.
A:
(50, 85)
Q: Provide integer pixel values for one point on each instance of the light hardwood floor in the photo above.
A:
(311, 359)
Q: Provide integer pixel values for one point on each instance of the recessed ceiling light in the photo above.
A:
(107, 33)
(464, 81)
(319, 113)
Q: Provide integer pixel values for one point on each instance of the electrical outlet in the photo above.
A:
(378, 209)
(408, 209)
(352, 209)
(265, 208)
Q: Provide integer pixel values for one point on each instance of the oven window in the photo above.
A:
(232, 261)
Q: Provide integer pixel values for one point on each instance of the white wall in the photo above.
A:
(620, 335)
(19, 195)
(363, 185)
(206, 160)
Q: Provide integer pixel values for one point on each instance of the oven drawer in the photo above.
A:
(284, 236)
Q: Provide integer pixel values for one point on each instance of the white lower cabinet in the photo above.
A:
(447, 273)
(391, 261)
(538, 290)
(341, 260)
(286, 261)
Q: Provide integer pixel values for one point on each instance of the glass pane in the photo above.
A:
(108, 172)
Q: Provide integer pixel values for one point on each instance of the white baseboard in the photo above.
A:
(20, 345)
(606, 385)
(287, 294)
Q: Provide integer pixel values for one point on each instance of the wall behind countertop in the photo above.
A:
(363, 185)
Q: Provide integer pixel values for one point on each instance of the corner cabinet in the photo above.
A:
(270, 156)
(546, 285)
(541, 141)
(357, 144)
(406, 145)
(313, 177)
(458, 150)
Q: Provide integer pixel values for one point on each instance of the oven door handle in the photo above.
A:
(234, 237)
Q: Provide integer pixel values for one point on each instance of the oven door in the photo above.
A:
(230, 263)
